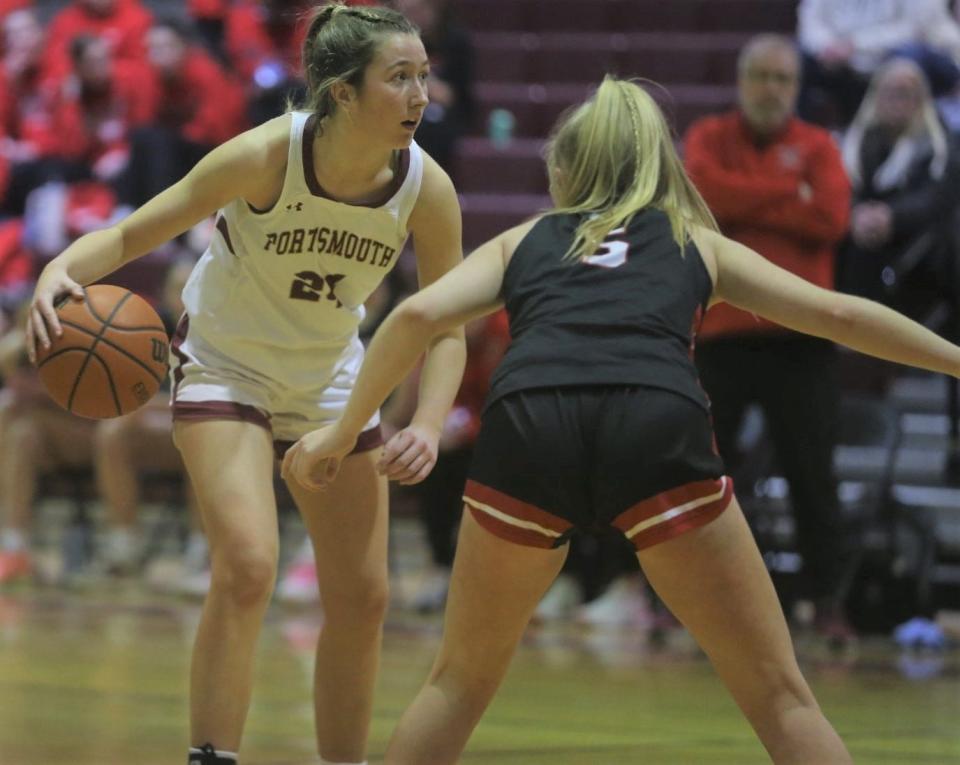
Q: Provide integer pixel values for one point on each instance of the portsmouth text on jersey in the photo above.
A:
(344, 244)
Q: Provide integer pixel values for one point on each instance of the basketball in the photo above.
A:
(112, 356)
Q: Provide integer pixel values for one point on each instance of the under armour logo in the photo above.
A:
(298, 206)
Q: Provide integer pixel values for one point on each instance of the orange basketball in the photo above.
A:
(111, 357)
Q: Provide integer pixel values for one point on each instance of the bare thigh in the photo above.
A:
(347, 524)
(715, 582)
(230, 464)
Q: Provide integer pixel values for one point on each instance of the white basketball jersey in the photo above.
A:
(280, 293)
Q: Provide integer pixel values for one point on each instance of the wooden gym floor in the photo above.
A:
(99, 676)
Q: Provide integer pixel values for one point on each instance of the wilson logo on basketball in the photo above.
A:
(141, 393)
(158, 350)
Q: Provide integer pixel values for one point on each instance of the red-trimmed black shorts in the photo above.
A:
(551, 462)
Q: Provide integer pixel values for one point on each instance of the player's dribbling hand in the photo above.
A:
(314, 460)
(42, 321)
(410, 455)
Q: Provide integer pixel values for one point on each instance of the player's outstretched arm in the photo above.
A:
(238, 168)
(435, 222)
(745, 279)
(470, 290)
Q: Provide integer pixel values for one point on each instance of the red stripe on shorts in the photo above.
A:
(512, 519)
(675, 511)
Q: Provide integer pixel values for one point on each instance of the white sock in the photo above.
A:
(304, 554)
(122, 543)
(13, 540)
(330, 762)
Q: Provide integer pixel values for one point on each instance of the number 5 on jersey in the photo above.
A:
(611, 254)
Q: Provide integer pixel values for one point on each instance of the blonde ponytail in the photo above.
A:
(612, 157)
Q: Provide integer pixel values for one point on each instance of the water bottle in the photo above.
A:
(500, 126)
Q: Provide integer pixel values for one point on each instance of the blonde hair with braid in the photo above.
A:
(612, 157)
(340, 43)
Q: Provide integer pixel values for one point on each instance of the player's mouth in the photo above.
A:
(410, 124)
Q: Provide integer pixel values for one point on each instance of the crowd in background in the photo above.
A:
(839, 163)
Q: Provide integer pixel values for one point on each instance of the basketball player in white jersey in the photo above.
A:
(314, 209)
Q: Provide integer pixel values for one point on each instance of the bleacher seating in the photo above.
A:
(537, 57)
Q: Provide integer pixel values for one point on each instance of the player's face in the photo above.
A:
(390, 105)
(768, 88)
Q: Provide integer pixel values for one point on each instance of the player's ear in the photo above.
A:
(343, 94)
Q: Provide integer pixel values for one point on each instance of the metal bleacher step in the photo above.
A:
(485, 215)
(681, 57)
(536, 106)
(639, 15)
(919, 393)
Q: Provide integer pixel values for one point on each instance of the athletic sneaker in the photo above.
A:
(431, 595)
(15, 565)
(560, 602)
(623, 604)
(299, 583)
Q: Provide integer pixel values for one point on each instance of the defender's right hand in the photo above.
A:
(42, 321)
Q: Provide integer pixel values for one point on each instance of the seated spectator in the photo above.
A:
(123, 24)
(84, 149)
(263, 41)
(37, 437)
(7, 6)
(95, 108)
(195, 106)
(451, 109)
(126, 447)
(24, 111)
(904, 170)
(844, 41)
(209, 17)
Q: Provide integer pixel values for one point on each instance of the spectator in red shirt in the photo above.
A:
(7, 6)
(778, 185)
(195, 105)
(264, 40)
(122, 23)
(95, 109)
(24, 110)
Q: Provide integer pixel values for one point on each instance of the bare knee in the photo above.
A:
(471, 680)
(364, 601)
(244, 576)
(775, 689)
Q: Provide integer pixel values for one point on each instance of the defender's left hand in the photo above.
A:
(410, 455)
(314, 460)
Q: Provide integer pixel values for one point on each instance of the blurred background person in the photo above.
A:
(195, 105)
(904, 169)
(263, 41)
(777, 184)
(37, 438)
(844, 41)
(122, 24)
(452, 107)
(24, 111)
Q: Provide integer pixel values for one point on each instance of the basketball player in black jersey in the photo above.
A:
(596, 417)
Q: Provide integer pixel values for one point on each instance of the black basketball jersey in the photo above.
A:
(627, 315)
